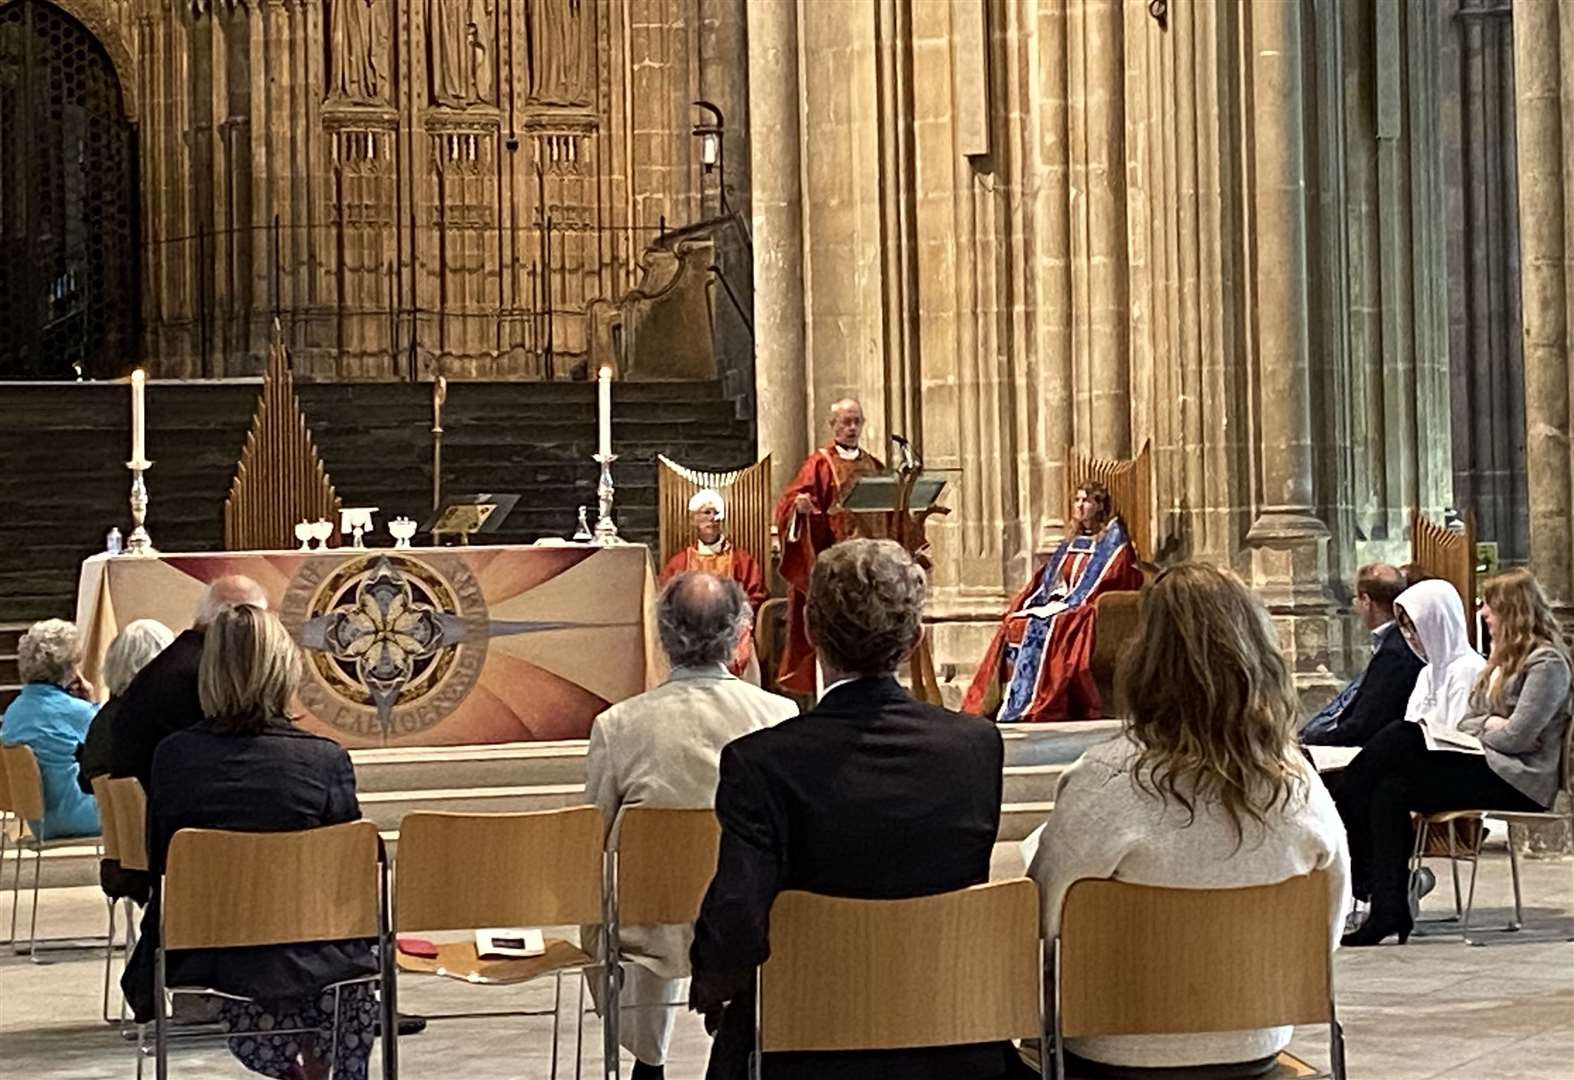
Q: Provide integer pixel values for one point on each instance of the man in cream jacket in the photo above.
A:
(663, 748)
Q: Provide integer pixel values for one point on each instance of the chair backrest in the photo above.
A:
(1449, 554)
(110, 843)
(123, 812)
(228, 889)
(1139, 960)
(468, 871)
(666, 859)
(1130, 484)
(943, 970)
(25, 781)
(5, 792)
(749, 506)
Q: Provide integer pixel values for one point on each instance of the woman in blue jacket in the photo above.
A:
(51, 716)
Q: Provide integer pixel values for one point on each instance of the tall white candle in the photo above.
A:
(604, 379)
(138, 415)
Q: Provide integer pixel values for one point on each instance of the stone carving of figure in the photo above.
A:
(358, 50)
(459, 57)
(561, 72)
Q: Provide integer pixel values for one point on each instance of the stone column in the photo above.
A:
(1291, 541)
(776, 212)
(1543, 44)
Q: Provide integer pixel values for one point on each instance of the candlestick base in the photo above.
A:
(139, 543)
(606, 533)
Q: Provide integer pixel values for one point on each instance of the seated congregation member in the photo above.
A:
(246, 767)
(132, 650)
(662, 748)
(1518, 713)
(162, 699)
(714, 552)
(1204, 789)
(50, 716)
(1379, 694)
(1039, 666)
(1432, 619)
(870, 794)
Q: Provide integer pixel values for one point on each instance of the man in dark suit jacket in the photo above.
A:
(1376, 697)
(871, 795)
(162, 699)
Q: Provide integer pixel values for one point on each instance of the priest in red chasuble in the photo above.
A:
(808, 523)
(713, 552)
(1039, 667)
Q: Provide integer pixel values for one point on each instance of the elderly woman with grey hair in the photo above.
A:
(50, 716)
(131, 651)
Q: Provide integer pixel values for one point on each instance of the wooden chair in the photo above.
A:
(223, 890)
(1475, 822)
(660, 863)
(26, 787)
(946, 970)
(749, 506)
(1138, 960)
(1130, 484)
(1449, 554)
(122, 811)
(473, 871)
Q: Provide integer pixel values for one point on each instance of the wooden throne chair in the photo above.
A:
(1130, 484)
(1450, 555)
(749, 509)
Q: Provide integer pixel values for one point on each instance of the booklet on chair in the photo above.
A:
(508, 944)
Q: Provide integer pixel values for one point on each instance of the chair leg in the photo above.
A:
(32, 933)
(1513, 865)
(1475, 867)
(1336, 1066)
(333, 1039)
(579, 1030)
(4, 829)
(1453, 869)
(16, 896)
(160, 1020)
(109, 957)
(557, 1017)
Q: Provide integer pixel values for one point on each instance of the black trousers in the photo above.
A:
(1392, 776)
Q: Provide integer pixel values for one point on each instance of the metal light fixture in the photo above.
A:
(713, 149)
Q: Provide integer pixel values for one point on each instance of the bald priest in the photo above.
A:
(808, 521)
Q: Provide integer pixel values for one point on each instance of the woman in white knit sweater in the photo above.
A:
(1204, 789)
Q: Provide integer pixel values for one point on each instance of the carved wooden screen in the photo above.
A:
(67, 202)
(1130, 484)
(280, 479)
(1449, 554)
(749, 505)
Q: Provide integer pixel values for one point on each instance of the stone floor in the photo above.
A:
(1435, 1008)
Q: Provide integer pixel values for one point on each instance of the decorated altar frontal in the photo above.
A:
(421, 646)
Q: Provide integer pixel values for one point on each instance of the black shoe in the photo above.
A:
(1376, 928)
(648, 1072)
(408, 1025)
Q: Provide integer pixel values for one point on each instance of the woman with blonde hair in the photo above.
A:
(1203, 789)
(248, 768)
(1502, 755)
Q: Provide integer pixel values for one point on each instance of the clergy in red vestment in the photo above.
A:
(1039, 666)
(808, 522)
(713, 552)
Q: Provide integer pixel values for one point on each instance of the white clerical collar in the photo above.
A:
(718, 548)
(839, 682)
(846, 454)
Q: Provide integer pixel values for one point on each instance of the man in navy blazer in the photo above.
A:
(871, 794)
(1377, 696)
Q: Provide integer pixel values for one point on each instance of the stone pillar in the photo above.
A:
(776, 212)
(1543, 46)
(1291, 541)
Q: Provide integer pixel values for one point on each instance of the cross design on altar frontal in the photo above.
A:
(392, 628)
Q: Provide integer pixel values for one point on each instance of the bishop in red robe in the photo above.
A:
(713, 552)
(808, 522)
(1039, 666)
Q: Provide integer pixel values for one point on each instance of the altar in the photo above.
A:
(421, 646)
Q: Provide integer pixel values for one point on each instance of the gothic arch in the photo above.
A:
(98, 17)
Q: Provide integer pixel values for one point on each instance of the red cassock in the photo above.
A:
(1039, 666)
(824, 477)
(729, 562)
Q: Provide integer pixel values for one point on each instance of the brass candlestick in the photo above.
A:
(139, 543)
(606, 528)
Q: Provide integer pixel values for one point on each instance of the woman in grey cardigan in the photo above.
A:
(1519, 713)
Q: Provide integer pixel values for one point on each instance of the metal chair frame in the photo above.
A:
(28, 841)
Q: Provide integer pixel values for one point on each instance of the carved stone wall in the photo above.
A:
(412, 186)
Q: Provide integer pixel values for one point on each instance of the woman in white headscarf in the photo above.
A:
(1422, 763)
